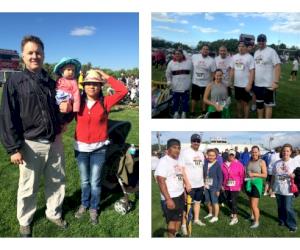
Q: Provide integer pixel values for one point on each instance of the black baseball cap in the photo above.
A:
(172, 142)
(195, 137)
(262, 38)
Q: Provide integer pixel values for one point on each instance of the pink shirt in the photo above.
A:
(233, 176)
(70, 86)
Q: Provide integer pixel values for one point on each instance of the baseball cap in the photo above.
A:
(262, 38)
(195, 137)
(231, 152)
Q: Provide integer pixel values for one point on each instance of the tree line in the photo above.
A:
(231, 45)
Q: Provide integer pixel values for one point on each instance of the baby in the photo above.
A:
(66, 87)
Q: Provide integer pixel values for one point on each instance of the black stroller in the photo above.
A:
(121, 167)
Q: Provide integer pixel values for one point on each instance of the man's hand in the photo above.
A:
(170, 204)
(65, 107)
(274, 86)
(16, 158)
(188, 188)
(248, 87)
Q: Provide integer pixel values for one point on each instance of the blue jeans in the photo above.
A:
(286, 213)
(90, 167)
(184, 97)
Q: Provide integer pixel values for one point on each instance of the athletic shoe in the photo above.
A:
(192, 114)
(273, 195)
(25, 231)
(251, 218)
(183, 115)
(265, 193)
(59, 222)
(184, 230)
(233, 221)
(199, 223)
(293, 230)
(176, 115)
(255, 225)
(80, 212)
(93, 216)
(208, 216)
(214, 219)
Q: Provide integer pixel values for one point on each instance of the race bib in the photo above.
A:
(282, 178)
(259, 60)
(209, 181)
(197, 162)
(230, 183)
(200, 75)
(179, 177)
(239, 66)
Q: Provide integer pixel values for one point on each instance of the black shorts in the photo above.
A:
(254, 193)
(197, 194)
(197, 92)
(176, 213)
(294, 72)
(241, 94)
(265, 96)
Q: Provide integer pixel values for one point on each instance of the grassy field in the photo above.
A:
(268, 220)
(288, 105)
(111, 223)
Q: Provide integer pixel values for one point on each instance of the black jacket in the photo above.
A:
(28, 110)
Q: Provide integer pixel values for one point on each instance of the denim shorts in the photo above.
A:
(210, 196)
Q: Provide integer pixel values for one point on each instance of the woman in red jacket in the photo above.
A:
(91, 137)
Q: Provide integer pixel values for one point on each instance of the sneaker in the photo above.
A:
(214, 219)
(233, 221)
(265, 193)
(93, 216)
(177, 235)
(80, 212)
(253, 107)
(208, 216)
(184, 230)
(255, 225)
(192, 114)
(25, 231)
(199, 223)
(59, 222)
(293, 230)
(176, 115)
(251, 218)
(273, 195)
(183, 115)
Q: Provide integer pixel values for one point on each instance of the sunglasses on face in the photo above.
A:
(261, 40)
(196, 141)
(96, 84)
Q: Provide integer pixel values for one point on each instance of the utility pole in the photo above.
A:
(158, 135)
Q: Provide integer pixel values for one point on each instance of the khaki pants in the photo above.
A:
(47, 160)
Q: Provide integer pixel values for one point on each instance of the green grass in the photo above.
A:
(268, 220)
(111, 223)
(287, 96)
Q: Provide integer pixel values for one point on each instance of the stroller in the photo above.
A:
(121, 167)
(161, 98)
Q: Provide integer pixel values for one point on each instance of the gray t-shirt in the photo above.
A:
(254, 167)
(218, 93)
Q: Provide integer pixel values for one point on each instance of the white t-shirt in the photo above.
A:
(225, 65)
(193, 162)
(295, 65)
(281, 171)
(274, 158)
(265, 61)
(202, 69)
(242, 64)
(170, 169)
(297, 161)
(154, 162)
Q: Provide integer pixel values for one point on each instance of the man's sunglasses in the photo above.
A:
(196, 141)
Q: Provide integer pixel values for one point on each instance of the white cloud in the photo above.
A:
(163, 17)
(204, 29)
(171, 29)
(281, 138)
(242, 24)
(184, 21)
(83, 31)
(186, 13)
(235, 31)
(209, 16)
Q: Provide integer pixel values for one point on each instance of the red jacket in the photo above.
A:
(91, 126)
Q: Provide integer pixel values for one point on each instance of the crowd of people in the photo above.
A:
(207, 177)
(33, 116)
(252, 74)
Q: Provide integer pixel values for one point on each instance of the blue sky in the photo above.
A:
(189, 28)
(257, 137)
(108, 40)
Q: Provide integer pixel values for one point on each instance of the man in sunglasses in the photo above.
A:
(192, 160)
(267, 74)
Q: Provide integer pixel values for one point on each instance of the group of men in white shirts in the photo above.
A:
(252, 76)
